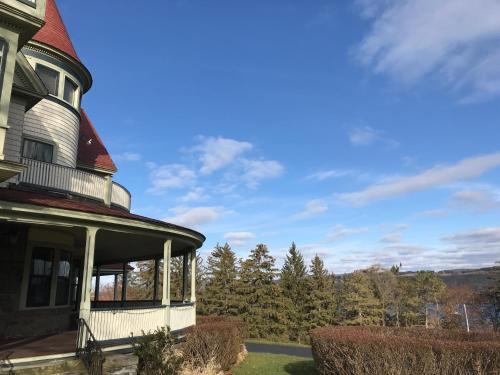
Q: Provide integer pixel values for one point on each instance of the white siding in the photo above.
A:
(14, 133)
(58, 125)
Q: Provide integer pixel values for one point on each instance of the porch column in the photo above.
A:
(156, 280)
(185, 272)
(193, 275)
(88, 267)
(115, 289)
(165, 300)
(97, 283)
(124, 283)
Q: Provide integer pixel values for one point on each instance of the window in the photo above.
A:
(63, 280)
(69, 91)
(49, 77)
(40, 277)
(37, 150)
(3, 55)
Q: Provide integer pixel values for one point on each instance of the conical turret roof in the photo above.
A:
(54, 32)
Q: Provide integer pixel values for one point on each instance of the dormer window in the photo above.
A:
(69, 91)
(49, 77)
(37, 150)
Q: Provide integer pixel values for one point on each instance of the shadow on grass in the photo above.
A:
(305, 367)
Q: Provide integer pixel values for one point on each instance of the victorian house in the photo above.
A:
(64, 222)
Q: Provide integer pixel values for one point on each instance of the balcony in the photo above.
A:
(74, 181)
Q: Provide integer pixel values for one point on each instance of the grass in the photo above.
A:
(281, 343)
(275, 364)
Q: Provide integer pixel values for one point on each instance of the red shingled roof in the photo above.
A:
(48, 200)
(91, 150)
(54, 33)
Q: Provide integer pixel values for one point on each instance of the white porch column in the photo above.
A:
(88, 267)
(165, 300)
(193, 275)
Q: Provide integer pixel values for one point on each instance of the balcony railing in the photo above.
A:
(60, 178)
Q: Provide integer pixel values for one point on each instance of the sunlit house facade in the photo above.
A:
(64, 221)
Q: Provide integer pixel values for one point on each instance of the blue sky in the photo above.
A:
(365, 131)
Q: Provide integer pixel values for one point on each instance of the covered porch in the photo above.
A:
(120, 273)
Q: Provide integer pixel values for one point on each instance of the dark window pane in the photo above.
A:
(63, 281)
(49, 77)
(40, 277)
(69, 91)
(38, 150)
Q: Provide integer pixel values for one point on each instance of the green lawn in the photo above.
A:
(275, 364)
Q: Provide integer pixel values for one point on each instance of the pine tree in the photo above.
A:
(429, 287)
(176, 278)
(385, 288)
(294, 285)
(358, 301)
(219, 295)
(261, 301)
(320, 301)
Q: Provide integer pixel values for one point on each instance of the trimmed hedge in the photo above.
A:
(214, 339)
(379, 350)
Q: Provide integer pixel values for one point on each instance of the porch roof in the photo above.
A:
(61, 202)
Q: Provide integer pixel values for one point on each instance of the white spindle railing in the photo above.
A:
(75, 181)
(121, 323)
(182, 316)
(120, 196)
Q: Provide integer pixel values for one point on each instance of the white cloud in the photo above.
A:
(128, 156)
(238, 238)
(170, 176)
(477, 239)
(339, 232)
(216, 153)
(195, 216)
(257, 170)
(195, 195)
(313, 208)
(433, 213)
(477, 199)
(392, 238)
(366, 136)
(456, 40)
(431, 178)
(338, 173)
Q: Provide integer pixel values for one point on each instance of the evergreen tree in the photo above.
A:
(219, 294)
(429, 288)
(176, 278)
(261, 301)
(358, 301)
(294, 285)
(385, 287)
(320, 301)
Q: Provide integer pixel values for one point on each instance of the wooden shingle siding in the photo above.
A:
(55, 124)
(13, 139)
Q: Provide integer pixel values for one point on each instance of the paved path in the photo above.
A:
(279, 349)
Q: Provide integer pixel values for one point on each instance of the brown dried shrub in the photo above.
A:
(401, 351)
(214, 339)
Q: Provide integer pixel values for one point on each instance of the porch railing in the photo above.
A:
(61, 178)
(89, 350)
(182, 316)
(122, 323)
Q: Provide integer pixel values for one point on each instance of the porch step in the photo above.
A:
(115, 364)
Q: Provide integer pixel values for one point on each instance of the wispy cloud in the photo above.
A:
(392, 238)
(366, 136)
(255, 171)
(195, 216)
(170, 176)
(477, 199)
(216, 153)
(438, 212)
(340, 232)
(456, 40)
(431, 178)
(313, 208)
(238, 238)
(128, 156)
(338, 173)
(195, 195)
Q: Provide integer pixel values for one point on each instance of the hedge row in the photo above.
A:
(214, 339)
(379, 350)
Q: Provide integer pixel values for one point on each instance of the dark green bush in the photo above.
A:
(156, 353)
(214, 339)
(379, 350)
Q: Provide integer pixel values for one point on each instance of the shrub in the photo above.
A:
(214, 339)
(379, 350)
(156, 353)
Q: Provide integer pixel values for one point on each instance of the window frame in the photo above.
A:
(3, 62)
(48, 277)
(75, 90)
(39, 141)
(48, 68)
